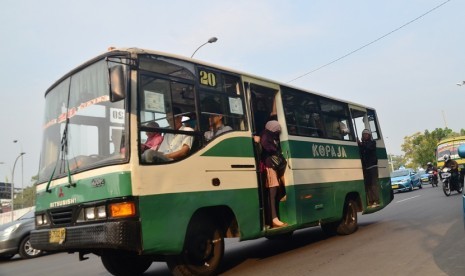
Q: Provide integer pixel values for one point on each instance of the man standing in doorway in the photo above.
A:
(370, 167)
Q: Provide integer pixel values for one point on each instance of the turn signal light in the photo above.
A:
(122, 209)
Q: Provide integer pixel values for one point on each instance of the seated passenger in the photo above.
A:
(216, 127)
(154, 139)
(175, 145)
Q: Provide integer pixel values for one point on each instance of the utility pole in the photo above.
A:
(444, 118)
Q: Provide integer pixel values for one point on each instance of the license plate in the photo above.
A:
(57, 235)
(395, 186)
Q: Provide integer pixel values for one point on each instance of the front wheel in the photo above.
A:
(347, 225)
(125, 264)
(26, 251)
(446, 188)
(203, 249)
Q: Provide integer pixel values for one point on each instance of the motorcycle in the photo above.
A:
(433, 178)
(448, 185)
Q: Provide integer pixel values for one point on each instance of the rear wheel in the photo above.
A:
(26, 251)
(203, 249)
(125, 264)
(347, 225)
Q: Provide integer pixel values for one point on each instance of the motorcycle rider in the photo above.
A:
(454, 169)
(433, 175)
(430, 167)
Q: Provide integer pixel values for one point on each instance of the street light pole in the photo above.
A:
(392, 164)
(22, 172)
(211, 40)
(13, 184)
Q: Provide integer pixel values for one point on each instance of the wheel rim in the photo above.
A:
(30, 250)
(200, 250)
(351, 215)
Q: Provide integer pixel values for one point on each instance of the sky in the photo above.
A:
(407, 72)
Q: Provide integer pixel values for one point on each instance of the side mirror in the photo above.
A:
(461, 150)
(117, 83)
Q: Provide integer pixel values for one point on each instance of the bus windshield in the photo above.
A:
(82, 128)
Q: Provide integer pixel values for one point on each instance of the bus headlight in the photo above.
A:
(101, 212)
(89, 213)
(92, 213)
(41, 220)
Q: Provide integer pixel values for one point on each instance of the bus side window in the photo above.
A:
(373, 124)
(222, 110)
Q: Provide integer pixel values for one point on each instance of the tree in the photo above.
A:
(26, 199)
(420, 148)
(397, 161)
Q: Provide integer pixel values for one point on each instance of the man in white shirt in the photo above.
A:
(175, 145)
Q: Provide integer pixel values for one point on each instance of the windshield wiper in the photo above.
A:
(64, 158)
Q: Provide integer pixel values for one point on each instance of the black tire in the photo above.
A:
(125, 264)
(203, 249)
(26, 251)
(347, 225)
(446, 188)
(421, 186)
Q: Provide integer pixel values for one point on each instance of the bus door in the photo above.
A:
(363, 118)
(261, 97)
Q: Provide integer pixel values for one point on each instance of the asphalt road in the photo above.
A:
(419, 233)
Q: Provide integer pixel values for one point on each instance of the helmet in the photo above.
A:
(429, 164)
(446, 157)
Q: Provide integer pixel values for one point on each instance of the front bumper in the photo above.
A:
(400, 187)
(123, 235)
(9, 245)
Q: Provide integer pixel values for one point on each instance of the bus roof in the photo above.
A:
(453, 139)
(133, 52)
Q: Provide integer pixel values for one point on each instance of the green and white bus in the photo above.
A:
(97, 193)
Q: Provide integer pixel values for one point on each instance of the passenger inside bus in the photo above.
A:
(175, 145)
(216, 126)
(154, 139)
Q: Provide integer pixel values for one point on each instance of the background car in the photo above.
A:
(424, 176)
(405, 180)
(14, 238)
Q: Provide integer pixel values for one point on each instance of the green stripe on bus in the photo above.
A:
(165, 217)
(313, 150)
(232, 147)
(243, 147)
(90, 189)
